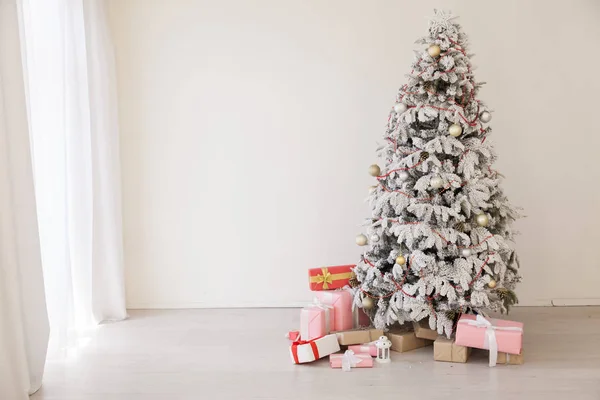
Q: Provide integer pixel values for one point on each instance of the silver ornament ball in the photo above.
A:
(436, 182)
(482, 219)
(375, 238)
(403, 175)
(400, 108)
(361, 240)
(455, 130)
(466, 252)
(485, 116)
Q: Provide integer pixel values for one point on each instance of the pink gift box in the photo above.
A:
(477, 331)
(341, 300)
(369, 349)
(361, 360)
(315, 321)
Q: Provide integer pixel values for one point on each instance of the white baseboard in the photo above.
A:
(576, 302)
(184, 305)
(187, 305)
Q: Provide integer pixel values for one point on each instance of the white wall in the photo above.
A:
(248, 127)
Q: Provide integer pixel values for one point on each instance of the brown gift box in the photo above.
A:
(404, 340)
(511, 359)
(358, 336)
(444, 349)
(422, 330)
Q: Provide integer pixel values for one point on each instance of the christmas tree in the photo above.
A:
(439, 240)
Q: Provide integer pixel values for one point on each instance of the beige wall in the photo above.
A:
(248, 127)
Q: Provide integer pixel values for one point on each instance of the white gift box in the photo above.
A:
(311, 350)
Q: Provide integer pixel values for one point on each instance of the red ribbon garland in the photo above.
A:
(313, 345)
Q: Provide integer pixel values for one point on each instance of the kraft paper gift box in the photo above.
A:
(445, 349)
(341, 301)
(423, 331)
(510, 359)
(369, 349)
(495, 335)
(329, 278)
(304, 351)
(315, 321)
(349, 359)
(358, 336)
(404, 340)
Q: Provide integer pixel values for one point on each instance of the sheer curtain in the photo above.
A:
(74, 133)
(23, 318)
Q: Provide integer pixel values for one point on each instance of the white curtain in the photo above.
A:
(73, 115)
(23, 318)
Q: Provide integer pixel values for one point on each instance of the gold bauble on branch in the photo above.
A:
(367, 302)
(482, 219)
(400, 260)
(434, 50)
(455, 130)
(492, 284)
(374, 170)
(361, 240)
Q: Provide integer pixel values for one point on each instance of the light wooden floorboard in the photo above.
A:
(242, 354)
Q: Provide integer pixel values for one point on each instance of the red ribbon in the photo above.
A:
(313, 345)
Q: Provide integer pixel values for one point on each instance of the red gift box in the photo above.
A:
(329, 278)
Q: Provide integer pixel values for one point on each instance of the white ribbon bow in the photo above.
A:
(490, 341)
(349, 360)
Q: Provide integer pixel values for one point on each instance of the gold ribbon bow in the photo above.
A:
(327, 278)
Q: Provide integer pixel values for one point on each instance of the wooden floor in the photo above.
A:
(242, 354)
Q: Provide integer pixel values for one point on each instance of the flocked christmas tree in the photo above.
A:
(439, 240)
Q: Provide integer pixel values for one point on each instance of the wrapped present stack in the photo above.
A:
(331, 323)
(332, 326)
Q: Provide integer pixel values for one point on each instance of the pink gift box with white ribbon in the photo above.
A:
(491, 334)
(316, 320)
(369, 349)
(349, 360)
(341, 301)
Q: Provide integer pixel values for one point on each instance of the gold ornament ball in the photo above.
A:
(483, 220)
(367, 303)
(374, 170)
(492, 284)
(455, 130)
(434, 50)
(400, 260)
(361, 240)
